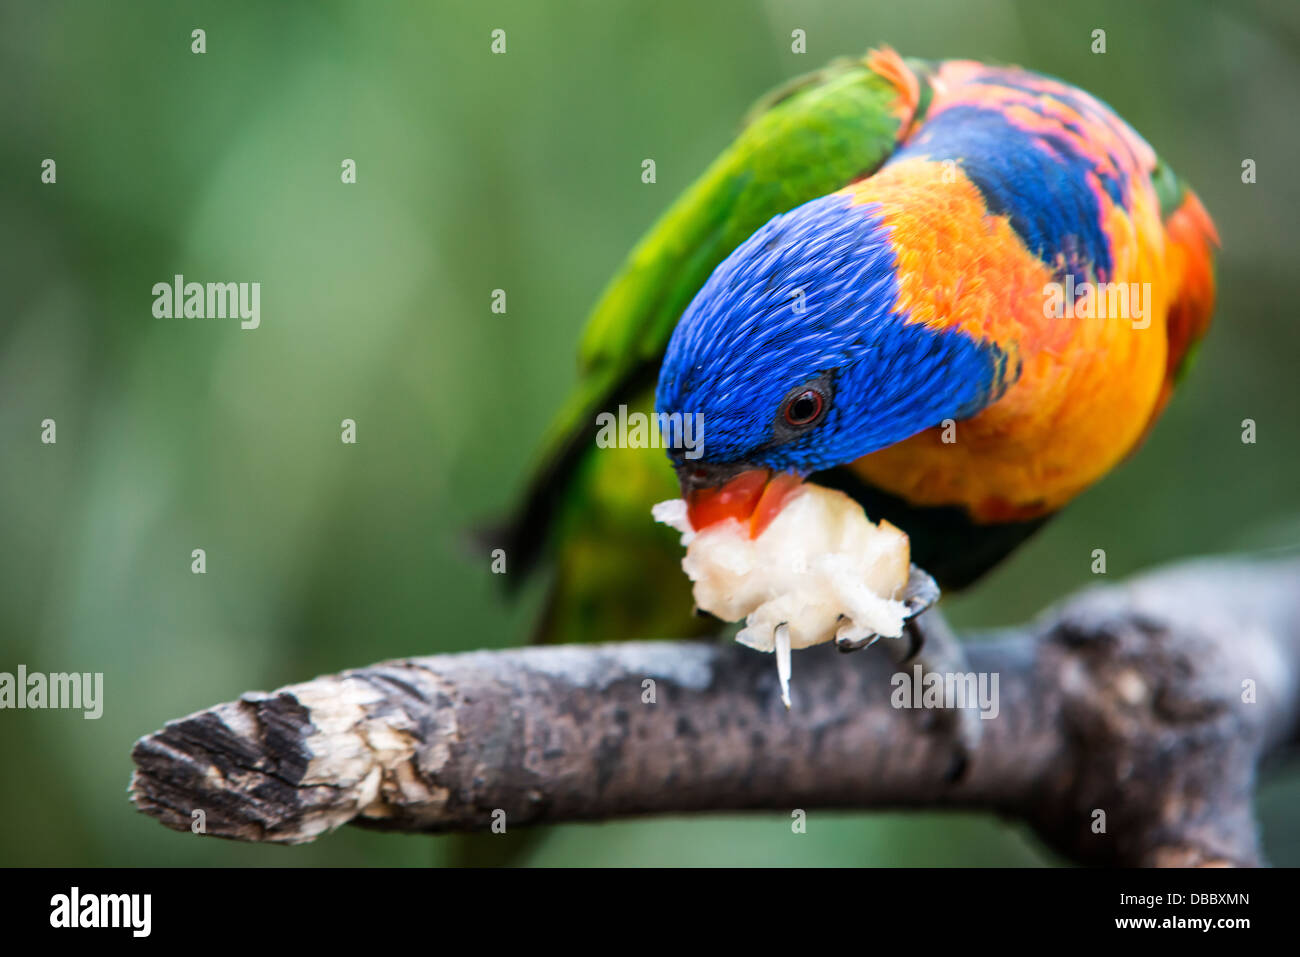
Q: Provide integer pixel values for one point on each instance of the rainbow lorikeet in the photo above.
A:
(960, 293)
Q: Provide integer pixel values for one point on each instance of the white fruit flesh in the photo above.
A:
(821, 569)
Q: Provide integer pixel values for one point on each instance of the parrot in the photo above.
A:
(960, 293)
(891, 283)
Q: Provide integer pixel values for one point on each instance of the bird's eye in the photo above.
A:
(803, 407)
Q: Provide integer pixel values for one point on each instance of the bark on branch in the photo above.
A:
(1152, 702)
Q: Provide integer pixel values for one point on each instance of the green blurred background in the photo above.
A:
(478, 172)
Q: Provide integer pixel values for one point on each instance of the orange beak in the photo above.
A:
(753, 498)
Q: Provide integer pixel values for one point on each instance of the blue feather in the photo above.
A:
(813, 293)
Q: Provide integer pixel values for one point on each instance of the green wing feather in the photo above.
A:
(804, 141)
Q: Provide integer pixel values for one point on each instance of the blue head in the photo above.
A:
(797, 359)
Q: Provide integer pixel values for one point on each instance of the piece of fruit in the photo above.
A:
(819, 569)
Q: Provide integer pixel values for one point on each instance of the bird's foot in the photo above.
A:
(919, 594)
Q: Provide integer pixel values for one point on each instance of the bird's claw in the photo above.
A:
(846, 644)
(919, 594)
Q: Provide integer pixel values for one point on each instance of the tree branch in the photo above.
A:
(1133, 700)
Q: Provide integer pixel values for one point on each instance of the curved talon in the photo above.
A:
(920, 592)
(915, 640)
(847, 645)
(919, 596)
